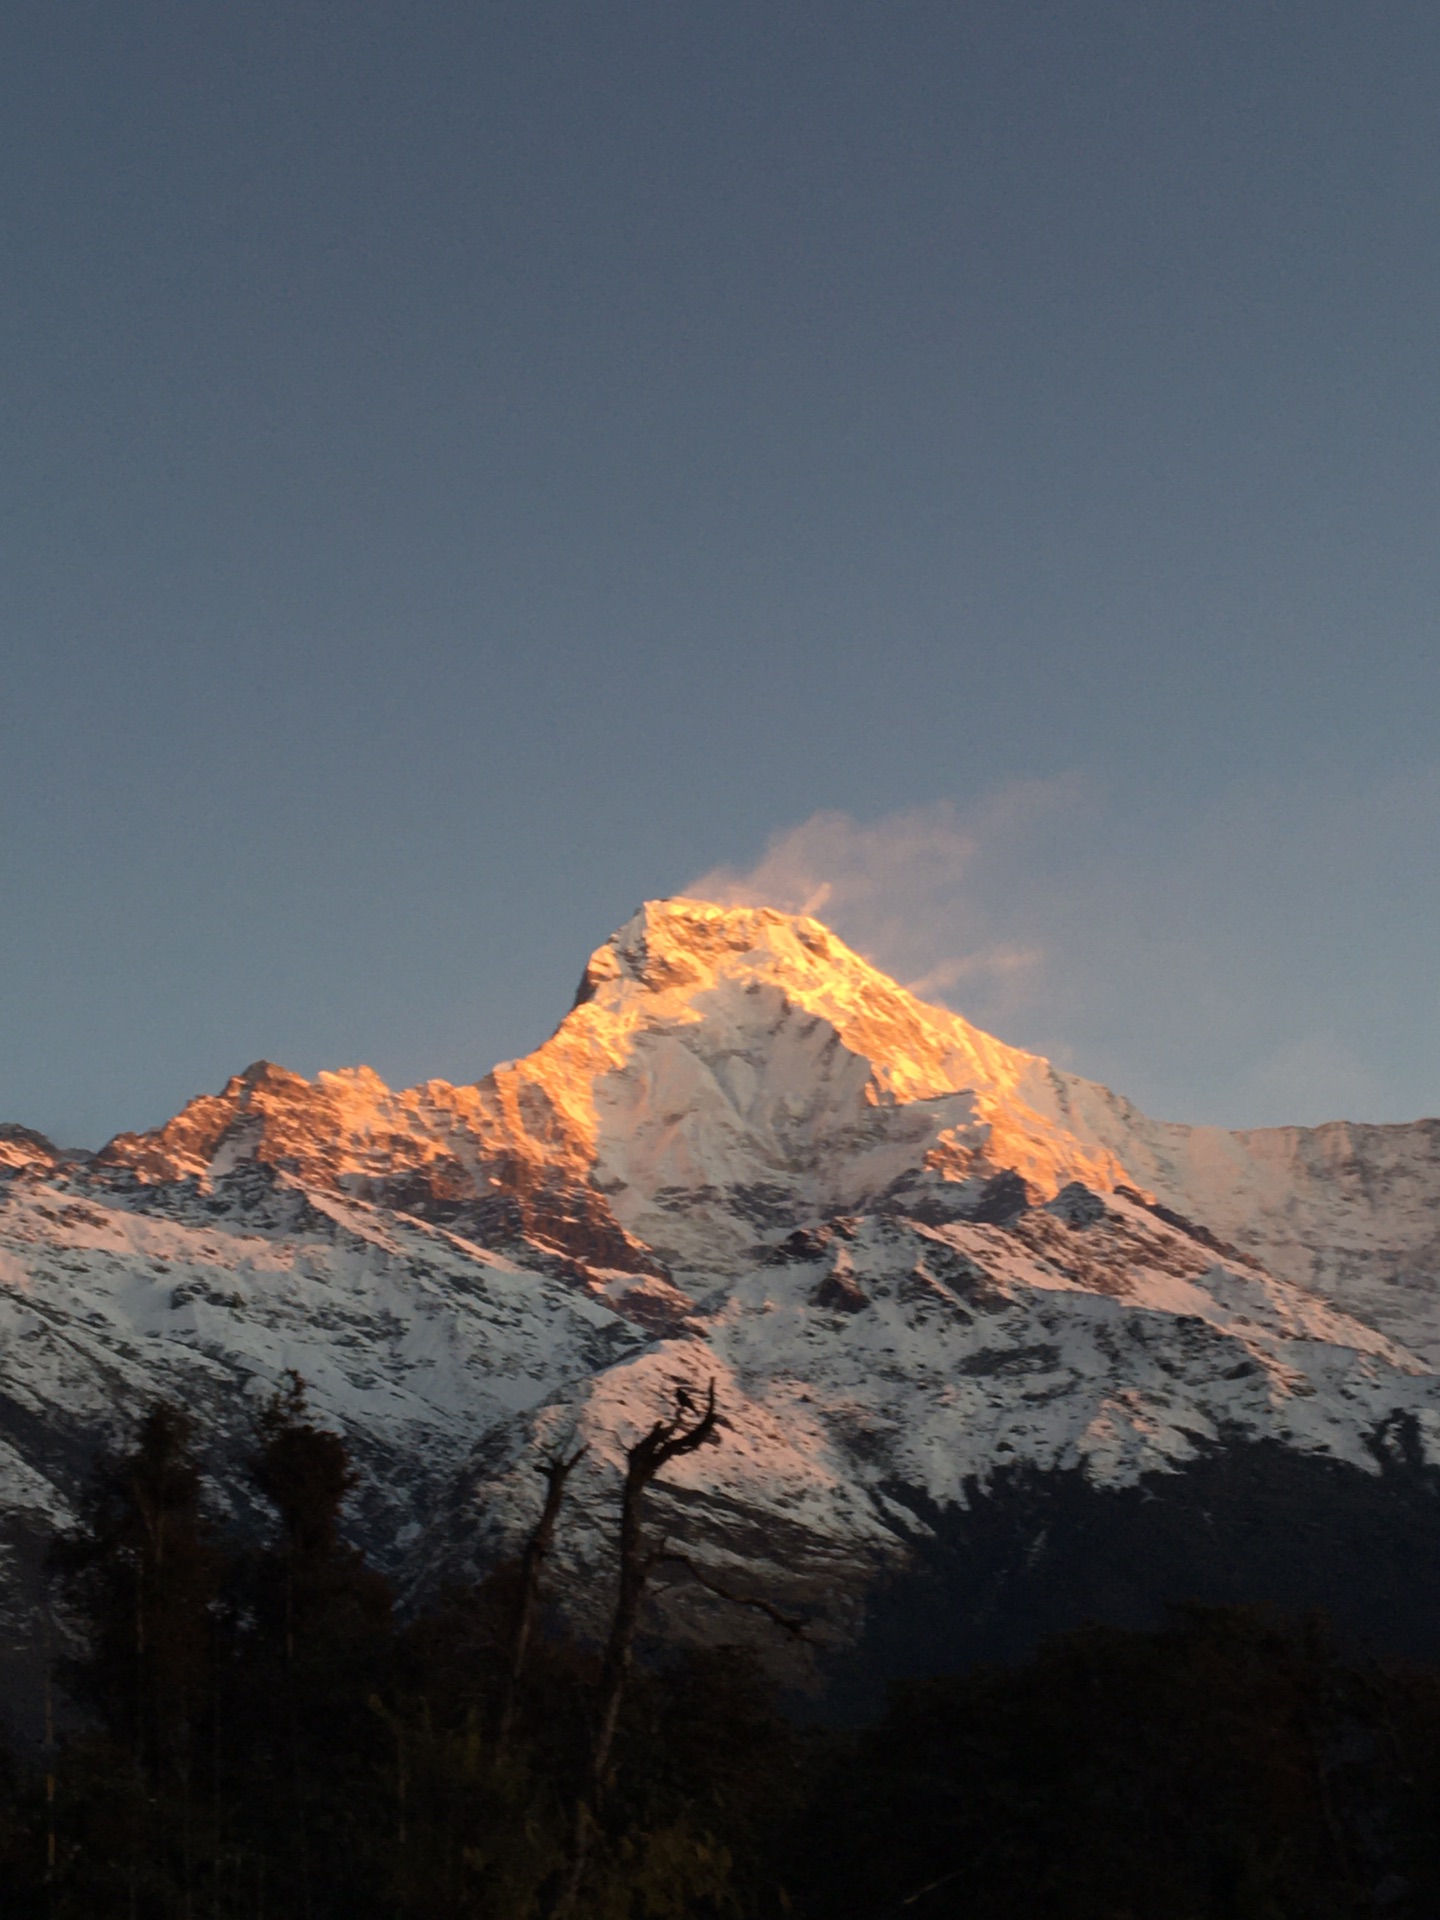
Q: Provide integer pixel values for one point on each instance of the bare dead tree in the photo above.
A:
(686, 1430)
(555, 1470)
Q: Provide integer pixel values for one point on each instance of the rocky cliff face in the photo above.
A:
(908, 1255)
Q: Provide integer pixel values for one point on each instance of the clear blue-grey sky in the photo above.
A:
(470, 467)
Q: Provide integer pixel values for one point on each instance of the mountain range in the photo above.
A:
(931, 1277)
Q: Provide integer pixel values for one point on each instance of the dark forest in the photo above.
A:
(250, 1727)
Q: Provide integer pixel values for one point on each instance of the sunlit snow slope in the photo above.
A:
(905, 1252)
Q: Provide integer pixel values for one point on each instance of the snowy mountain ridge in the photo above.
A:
(906, 1253)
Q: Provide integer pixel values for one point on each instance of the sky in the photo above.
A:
(466, 469)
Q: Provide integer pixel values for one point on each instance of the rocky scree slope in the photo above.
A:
(907, 1254)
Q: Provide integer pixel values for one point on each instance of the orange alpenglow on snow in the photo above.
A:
(709, 1047)
(717, 1056)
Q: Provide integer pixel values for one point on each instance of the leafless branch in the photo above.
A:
(556, 1469)
(667, 1440)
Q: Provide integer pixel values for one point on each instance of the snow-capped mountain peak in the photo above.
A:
(730, 1050)
(906, 1252)
(720, 1054)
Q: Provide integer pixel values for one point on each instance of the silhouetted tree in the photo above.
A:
(140, 1578)
(556, 1470)
(314, 1652)
(667, 1440)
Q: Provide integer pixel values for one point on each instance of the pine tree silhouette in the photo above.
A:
(140, 1576)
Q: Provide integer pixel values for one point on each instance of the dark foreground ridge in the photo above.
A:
(1247, 1523)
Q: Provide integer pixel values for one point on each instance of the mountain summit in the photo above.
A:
(909, 1256)
(728, 1069)
(720, 1067)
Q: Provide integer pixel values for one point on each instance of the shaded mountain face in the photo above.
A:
(911, 1258)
